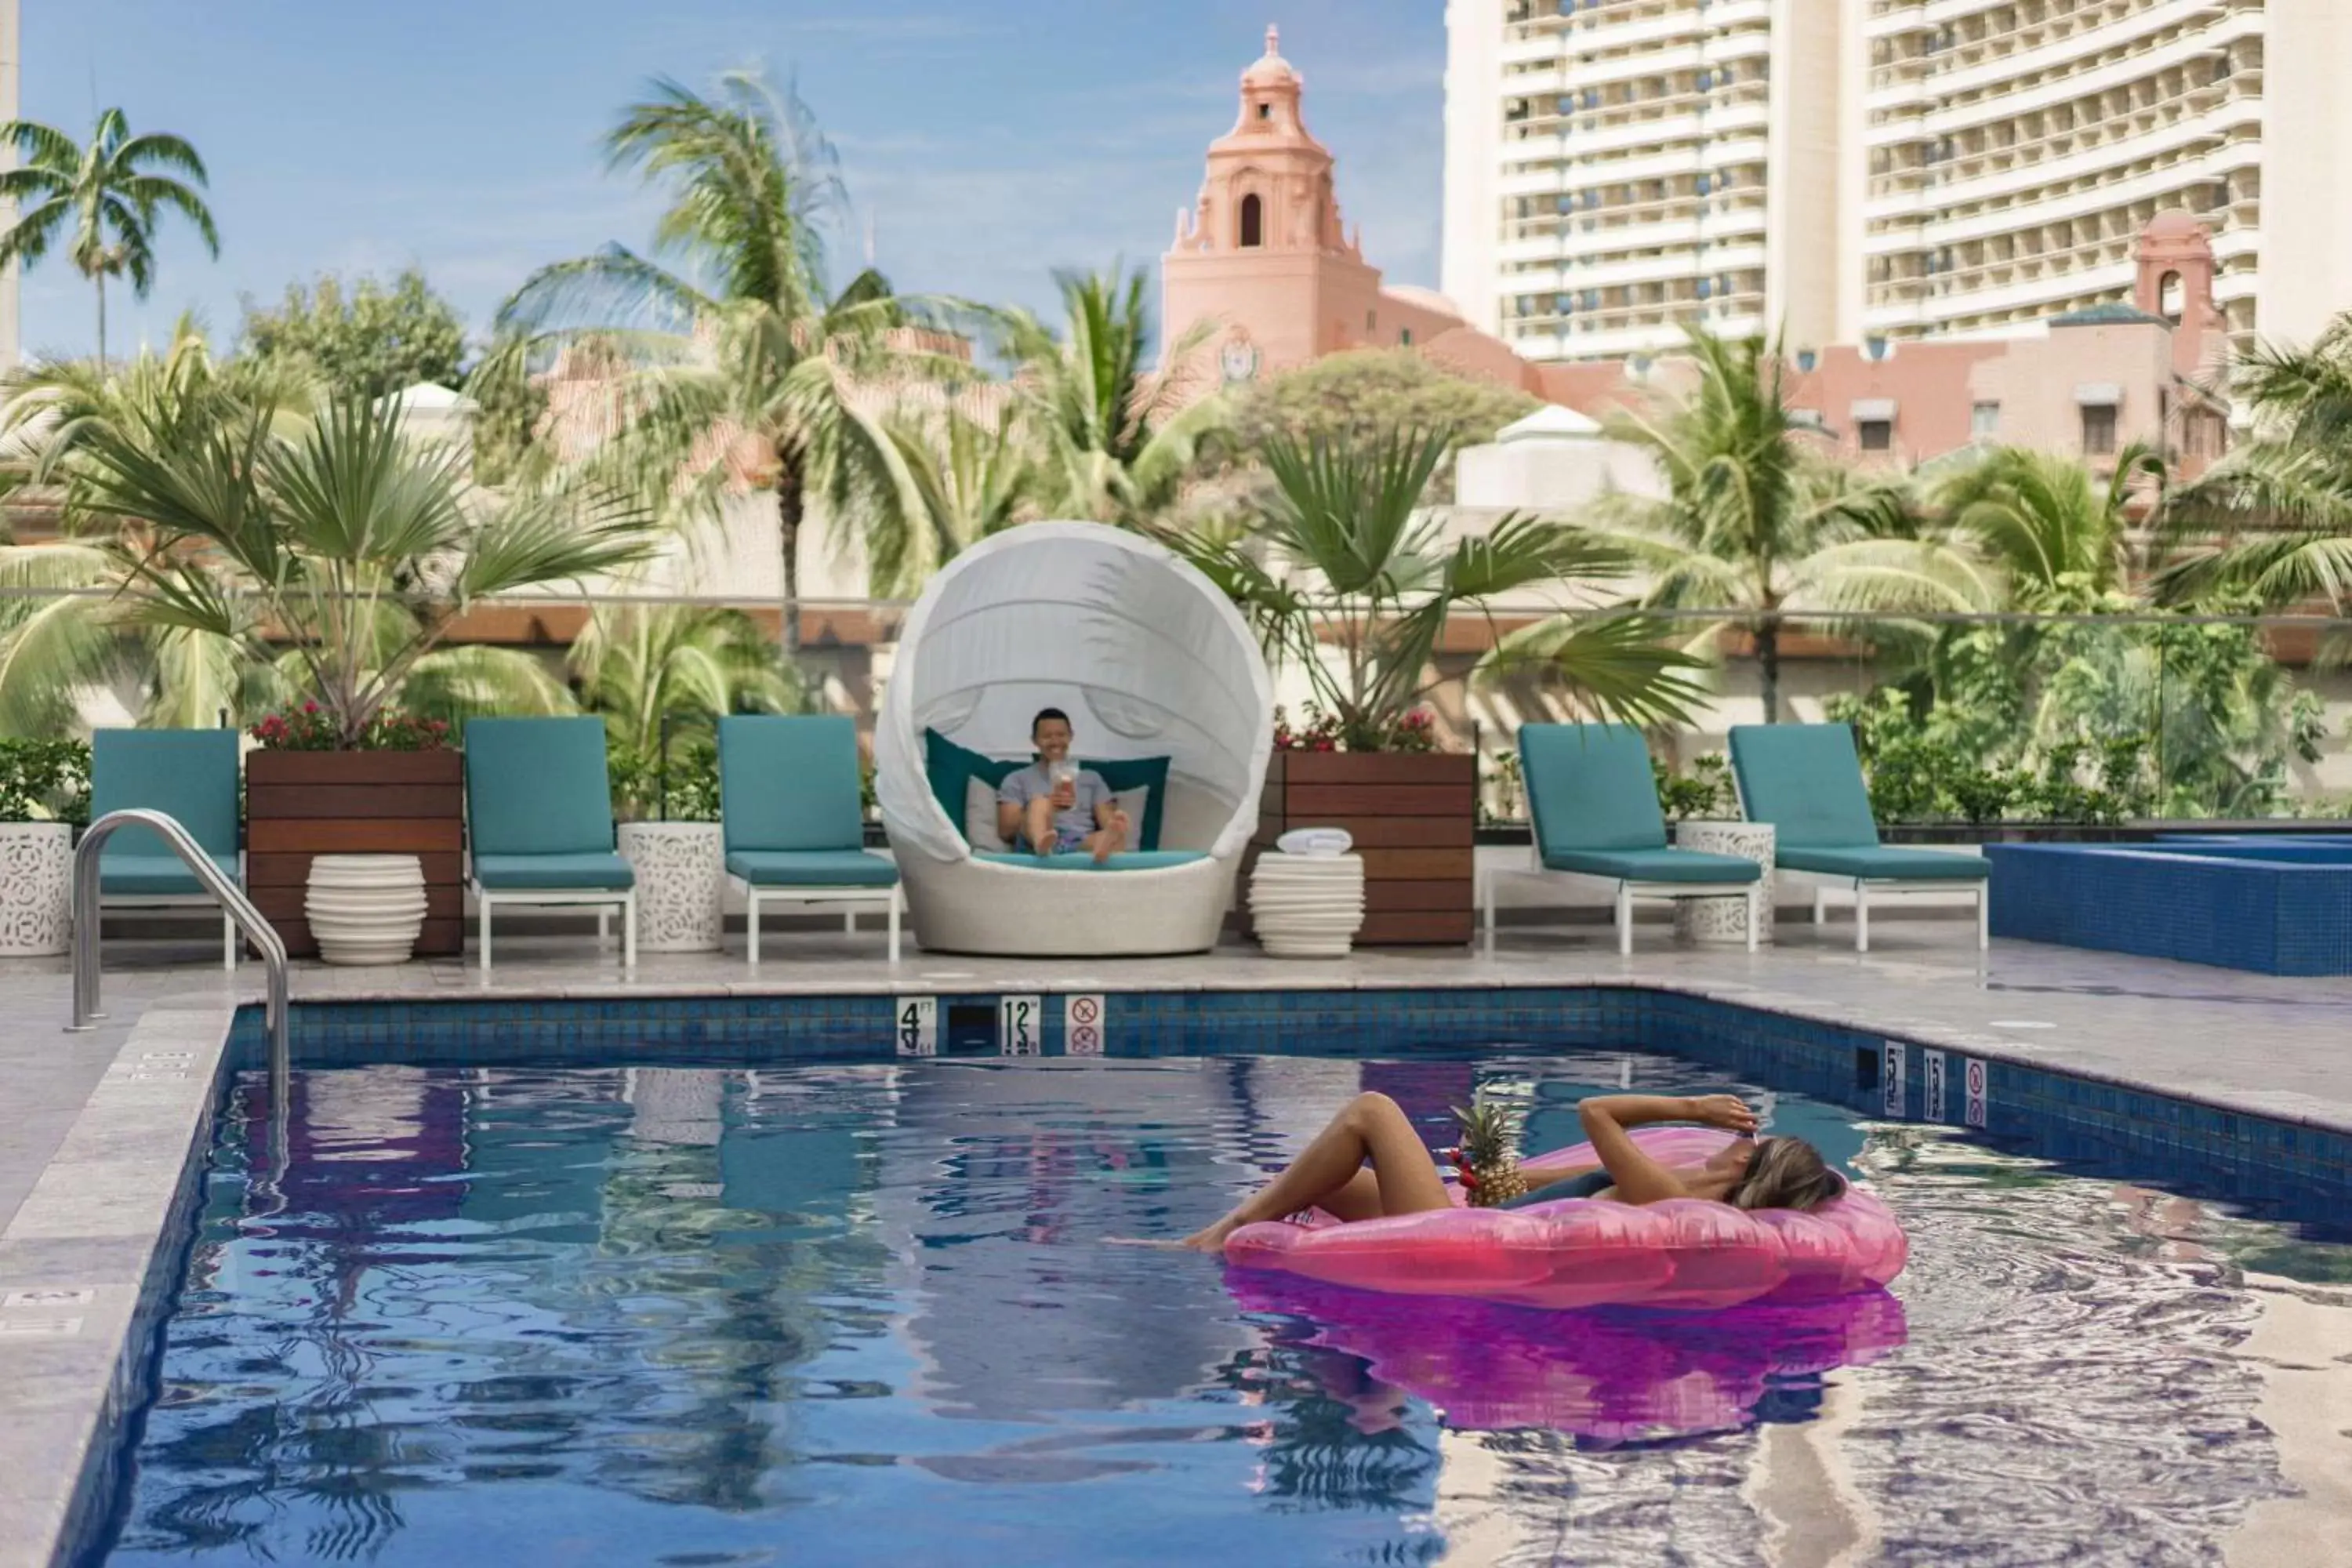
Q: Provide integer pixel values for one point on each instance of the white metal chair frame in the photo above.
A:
(891, 900)
(607, 899)
(1626, 893)
(1862, 887)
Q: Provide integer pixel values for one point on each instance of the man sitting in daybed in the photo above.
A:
(1054, 806)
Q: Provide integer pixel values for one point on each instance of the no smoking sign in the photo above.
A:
(1083, 1031)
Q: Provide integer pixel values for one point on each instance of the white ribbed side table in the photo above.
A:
(681, 881)
(1306, 906)
(365, 908)
(1725, 920)
(36, 888)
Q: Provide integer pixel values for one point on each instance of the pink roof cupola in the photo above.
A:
(1269, 180)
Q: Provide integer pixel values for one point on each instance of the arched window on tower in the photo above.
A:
(1252, 222)
(2167, 298)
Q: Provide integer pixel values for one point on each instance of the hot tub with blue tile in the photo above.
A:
(2270, 903)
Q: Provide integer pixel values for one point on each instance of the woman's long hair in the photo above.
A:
(1785, 1173)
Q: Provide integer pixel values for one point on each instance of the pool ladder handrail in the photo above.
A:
(233, 902)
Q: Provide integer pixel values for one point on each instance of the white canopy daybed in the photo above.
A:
(1151, 662)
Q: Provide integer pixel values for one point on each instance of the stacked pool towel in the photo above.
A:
(1306, 899)
(1319, 842)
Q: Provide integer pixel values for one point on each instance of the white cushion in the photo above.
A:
(1133, 801)
(980, 817)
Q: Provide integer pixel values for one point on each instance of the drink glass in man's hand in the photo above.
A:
(1065, 774)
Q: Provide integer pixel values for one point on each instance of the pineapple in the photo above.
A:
(1488, 1157)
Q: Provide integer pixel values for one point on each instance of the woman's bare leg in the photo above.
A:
(1371, 1128)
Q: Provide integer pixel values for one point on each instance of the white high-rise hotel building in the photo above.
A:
(1854, 169)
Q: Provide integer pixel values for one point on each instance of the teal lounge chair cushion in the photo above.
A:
(1806, 780)
(790, 783)
(1590, 787)
(188, 774)
(1127, 861)
(1654, 865)
(582, 872)
(536, 786)
(162, 876)
(1890, 863)
(811, 868)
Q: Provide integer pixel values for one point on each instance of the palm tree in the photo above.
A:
(2057, 532)
(2273, 520)
(104, 198)
(1755, 524)
(969, 480)
(1344, 558)
(640, 665)
(341, 553)
(747, 372)
(1118, 442)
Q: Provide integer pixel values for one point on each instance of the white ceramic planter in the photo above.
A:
(1306, 906)
(681, 878)
(1725, 920)
(365, 908)
(36, 888)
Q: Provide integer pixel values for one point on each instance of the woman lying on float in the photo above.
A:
(1750, 1172)
(1706, 1216)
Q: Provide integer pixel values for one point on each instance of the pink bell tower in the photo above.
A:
(2175, 269)
(1263, 253)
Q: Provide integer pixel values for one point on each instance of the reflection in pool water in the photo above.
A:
(1609, 1374)
(865, 1313)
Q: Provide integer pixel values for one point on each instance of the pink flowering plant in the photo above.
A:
(1321, 731)
(311, 728)
(1349, 579)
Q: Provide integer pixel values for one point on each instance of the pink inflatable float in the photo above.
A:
(1587, 1252)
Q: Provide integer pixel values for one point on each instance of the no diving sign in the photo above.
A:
(1083, 1029)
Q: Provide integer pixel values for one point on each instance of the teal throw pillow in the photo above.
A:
(951, 768)
(1138, 773)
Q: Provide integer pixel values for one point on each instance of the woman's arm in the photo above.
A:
(1641, 1179)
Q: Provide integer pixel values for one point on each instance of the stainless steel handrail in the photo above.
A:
(257, 930)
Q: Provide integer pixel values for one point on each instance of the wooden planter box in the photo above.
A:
(301, 804)
(1412, 818)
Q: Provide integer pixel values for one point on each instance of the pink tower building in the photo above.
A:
(1264, 255)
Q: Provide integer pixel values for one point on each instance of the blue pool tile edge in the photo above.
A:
(1899, 1070)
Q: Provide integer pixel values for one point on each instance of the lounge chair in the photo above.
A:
(188, 774)
(1806, 780)
(795, 832)
(1595, 802)
(538, 821)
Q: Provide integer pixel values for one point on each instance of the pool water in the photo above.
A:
(867, 1314)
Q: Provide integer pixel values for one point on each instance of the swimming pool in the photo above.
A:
(865, 1312)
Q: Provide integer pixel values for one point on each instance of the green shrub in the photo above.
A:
(44, 781)
(643, 791)
(1703, 794)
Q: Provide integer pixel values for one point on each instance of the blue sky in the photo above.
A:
(989, 144)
